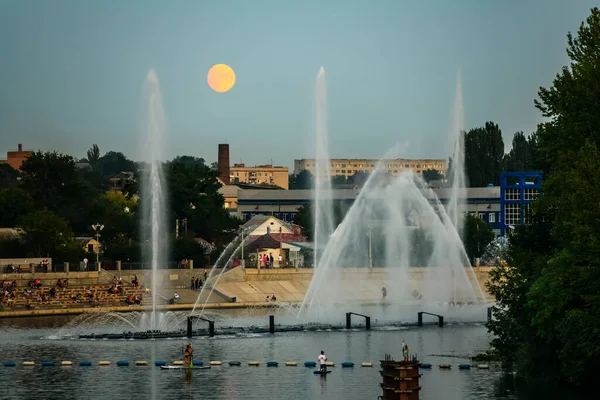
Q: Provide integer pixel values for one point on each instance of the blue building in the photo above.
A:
(517, 191)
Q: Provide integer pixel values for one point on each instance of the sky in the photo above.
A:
(72, 73)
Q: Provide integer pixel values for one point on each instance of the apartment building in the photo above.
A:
(349, 166)
(261, 174)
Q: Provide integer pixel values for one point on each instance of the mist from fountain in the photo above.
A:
(398, 225)
(153, 187)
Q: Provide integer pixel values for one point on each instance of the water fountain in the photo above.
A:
(322, 194)
(398, 225)
(153, 186)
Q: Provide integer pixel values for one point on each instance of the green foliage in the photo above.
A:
(113, 162)
(14, 204)
(8, 176)
(547, 316)
(194, 195)
(304, 218)
(303, 180)
(484, 153)
(54, 183)
(93, 157)
(432, 175)
(477, 235)
(45, 233)
(522, 156)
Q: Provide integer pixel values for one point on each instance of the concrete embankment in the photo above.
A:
(361, 284)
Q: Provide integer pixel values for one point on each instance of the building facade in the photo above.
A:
(481, 202)
(15, 158)
(261, 174)
(349, 166)
(517, 191)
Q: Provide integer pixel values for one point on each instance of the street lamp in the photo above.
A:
(97, 227)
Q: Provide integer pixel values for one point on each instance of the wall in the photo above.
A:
(291, 285)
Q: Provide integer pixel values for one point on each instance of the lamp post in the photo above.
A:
(97, 227)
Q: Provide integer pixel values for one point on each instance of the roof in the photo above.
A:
(282, 237)
(265, 241)
(256, 220)
(122, 175)
(481, 193)
(83, 239)
(229, 190)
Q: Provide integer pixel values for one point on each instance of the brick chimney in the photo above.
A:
(223, 163)
(20, 147)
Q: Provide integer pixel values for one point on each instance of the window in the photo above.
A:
(343, 165)
(512, 214)
(511, 194)
(395, 171)
(405, 165)
(491, 218)
(343, 171)
(530, 193)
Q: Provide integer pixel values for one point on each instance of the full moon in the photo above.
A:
(221, 78)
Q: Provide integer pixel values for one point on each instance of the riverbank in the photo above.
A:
(162, 307)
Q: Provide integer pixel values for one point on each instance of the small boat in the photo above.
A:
(321, 372)
(182, 367)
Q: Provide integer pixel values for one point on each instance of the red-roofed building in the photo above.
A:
(15, 158)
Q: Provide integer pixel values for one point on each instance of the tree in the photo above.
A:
(14, 204)
(114, 162)
(484, 153)
(118, 215)
(477, 235)
(93, 156)
(547, 316)
(522, 155)
(304, 218)
(303, 180)
(45, 233)
(359, 178)
(194, 195)
(54, 183)
(339, 181)
(8, 176)
(432, 175)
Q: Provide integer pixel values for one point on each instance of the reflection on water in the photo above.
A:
(452, 344)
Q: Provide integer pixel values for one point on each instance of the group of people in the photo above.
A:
(269, 262)
(196, 283)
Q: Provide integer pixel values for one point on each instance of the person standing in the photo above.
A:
(280, 261)
(322, 359)
(404, 351)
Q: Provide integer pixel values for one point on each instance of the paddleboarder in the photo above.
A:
(322, 360)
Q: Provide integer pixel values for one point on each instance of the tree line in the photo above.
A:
(547, 314)
(54, 198)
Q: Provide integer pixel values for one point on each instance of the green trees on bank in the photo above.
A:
(52, 201)
(547, 315)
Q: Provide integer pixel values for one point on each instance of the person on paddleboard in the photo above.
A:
(322, 359)
(187, 355)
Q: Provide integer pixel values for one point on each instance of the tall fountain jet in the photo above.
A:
(456, 207)
(322, 194)
(153, 186)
